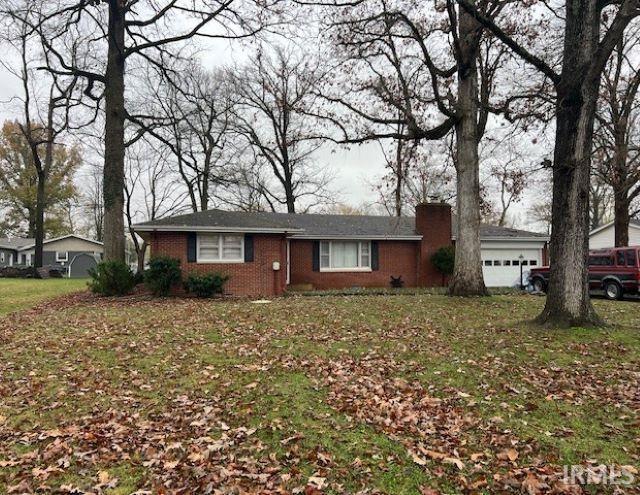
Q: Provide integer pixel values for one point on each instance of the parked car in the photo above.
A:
(616, 271)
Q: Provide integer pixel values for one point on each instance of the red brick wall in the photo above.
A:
(255, 278)
(395, 258)
(433, 222)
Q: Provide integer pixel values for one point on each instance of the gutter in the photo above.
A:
(187, 228)
(358, 237)
(515, 239)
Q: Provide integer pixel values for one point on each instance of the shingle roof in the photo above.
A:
(312, 225)
(15, 242)
(491, 231)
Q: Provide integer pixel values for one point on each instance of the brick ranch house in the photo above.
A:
(264, 253)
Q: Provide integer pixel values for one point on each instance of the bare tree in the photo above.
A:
(585, 55)
(398, 161)
(150, 191)
(540, 213)
(93, 204)
(277, 93)
(617, 136)
(409, 55)
(126, 32)
(44, 119)
(190, 117)
(511, 184)
(418, 173)
(600, 202)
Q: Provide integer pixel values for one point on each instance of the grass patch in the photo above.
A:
(17, 294)
(334, 388)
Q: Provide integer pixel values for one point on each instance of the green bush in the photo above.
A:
(205, 285)
(138, 278)
(163, 273)
(444, 259)
(111, 278)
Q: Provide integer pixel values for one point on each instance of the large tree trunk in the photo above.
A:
(113, 184)
(467, 279)
(40, 203)
(568, 302)
(621, 218)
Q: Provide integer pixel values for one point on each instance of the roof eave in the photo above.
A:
(213, 229)
(517, 239)
(47, 241)
(358, 237)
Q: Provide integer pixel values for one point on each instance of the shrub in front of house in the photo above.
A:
(443, 260)
(162, 275)
(111, 278)
(207, 285)
(17, 271)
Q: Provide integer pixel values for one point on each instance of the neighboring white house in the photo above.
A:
(604, 236)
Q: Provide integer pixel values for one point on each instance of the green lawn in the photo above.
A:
(391, 394)
(18, 294)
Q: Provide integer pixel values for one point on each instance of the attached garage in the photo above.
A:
(502, 261)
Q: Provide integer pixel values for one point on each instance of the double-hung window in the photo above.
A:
(62, 256)
(220, 248)
(345, 256)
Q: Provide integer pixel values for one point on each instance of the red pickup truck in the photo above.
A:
(616, 271)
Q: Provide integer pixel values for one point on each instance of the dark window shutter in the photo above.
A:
(248, 247)
(316, 256)
(192, 243)
(375, 256)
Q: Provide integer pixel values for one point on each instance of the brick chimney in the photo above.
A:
(433, 222)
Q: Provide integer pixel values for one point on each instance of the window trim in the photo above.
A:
(219, 261)
(62, 260)
(358, 269)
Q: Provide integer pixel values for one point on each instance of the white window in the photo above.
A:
(1, 257)
(62, 256)
(220, 248)
(345, 256)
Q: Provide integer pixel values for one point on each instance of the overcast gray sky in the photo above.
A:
(355, 169)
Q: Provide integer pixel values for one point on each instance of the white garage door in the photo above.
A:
(501, 267)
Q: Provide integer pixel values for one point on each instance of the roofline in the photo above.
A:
(186, 228)
(330, 237)
(29, 246)
(9, 248)
(602, 227)
(516, 239)
(607, 225)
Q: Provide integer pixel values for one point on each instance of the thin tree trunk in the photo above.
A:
(113, 184)
(40, 202)
(399, 176)
(289, 195)
(141, 254)
(467, 279)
